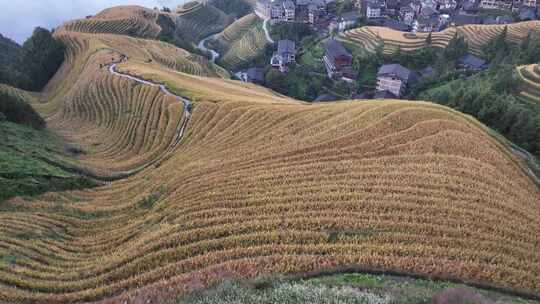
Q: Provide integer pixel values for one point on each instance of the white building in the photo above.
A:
(395, 79)
(286, 54)
(373, 9)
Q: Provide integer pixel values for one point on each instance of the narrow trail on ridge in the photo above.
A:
(106, 180)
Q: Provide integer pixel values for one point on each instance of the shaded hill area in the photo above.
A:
(29, 154)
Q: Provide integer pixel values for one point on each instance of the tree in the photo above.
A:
(275, 80)
(429, 39)
(456, 48)
(42, 56)
(498, 48)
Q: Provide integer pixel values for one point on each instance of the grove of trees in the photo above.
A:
(31, 66)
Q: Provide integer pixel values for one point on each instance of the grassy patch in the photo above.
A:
(148, 201)
(347, 288)
(24, 170)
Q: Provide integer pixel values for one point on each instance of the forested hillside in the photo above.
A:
(31, 66)
(11, 68)
(493, 96)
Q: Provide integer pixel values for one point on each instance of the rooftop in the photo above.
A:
(286, 46)
(335, 49)
(472, 61)
(399, 71)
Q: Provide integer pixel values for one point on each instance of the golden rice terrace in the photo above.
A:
(259, 184)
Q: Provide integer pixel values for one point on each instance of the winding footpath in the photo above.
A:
(266, 32)
(202, 46)
(107, 180)
(187, 103)
(265, 27)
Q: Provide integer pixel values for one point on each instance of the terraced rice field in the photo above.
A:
(241, 42)
(259, 184)
(237, 29)
(530, 76)
(194, 25)
(125, 20)
(370, 37)
(188, 6)
(184, 61)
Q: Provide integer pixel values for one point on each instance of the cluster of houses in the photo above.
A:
(307, 11)
(403, 15)
(313, 12)
(436, 15)
(393, 80)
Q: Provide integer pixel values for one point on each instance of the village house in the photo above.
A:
(496, 4)
(406, 15)
(255, 75)
(447, 5)
(527, 13)
(373, 9)
(289, 11)
(392, 8)
(416, 6)
(285, 54)
(277, 11)
(428, 73)
(302, 5)
(338, 61)
(308, 11)
(469, 6)
(395, 79)
(348, 20)
(472, 63)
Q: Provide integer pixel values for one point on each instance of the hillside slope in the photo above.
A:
(240, 43)
(12, 72)
(32, 159)
(193, 26)
(134, 21)
(259, 184)
(530, 76)
(369, 38)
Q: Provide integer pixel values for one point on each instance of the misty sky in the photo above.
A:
(18, 18)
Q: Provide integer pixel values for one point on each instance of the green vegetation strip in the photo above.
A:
(22, 168)
(348, 288)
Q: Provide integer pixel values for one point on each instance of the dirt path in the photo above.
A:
(202, 46)
(265, 27)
